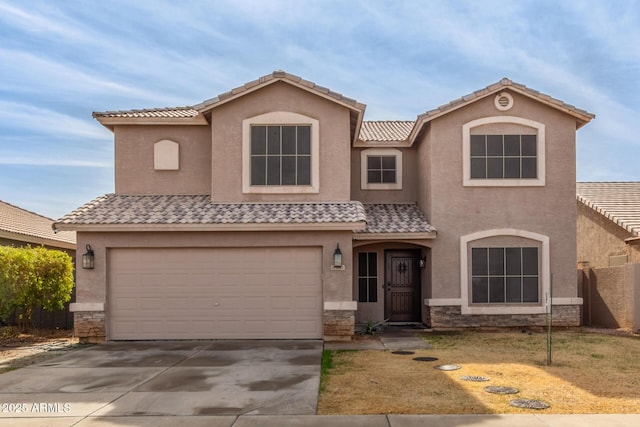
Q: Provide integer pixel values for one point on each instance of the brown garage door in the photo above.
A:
(207, 293)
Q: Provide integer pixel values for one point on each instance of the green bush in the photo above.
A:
(31, 277)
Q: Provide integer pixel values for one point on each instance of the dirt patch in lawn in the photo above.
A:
(590, 373)
(18, 350)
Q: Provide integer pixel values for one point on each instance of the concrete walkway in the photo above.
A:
(390, 338)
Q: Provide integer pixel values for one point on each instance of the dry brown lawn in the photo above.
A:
(590, 373)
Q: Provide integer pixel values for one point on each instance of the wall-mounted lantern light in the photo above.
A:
(88, 258)
(337, 257)
(423, 262)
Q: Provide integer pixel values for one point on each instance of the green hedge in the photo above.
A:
(34, 277)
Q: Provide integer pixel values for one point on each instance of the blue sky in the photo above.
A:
(62, 60)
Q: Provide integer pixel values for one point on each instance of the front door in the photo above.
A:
(402, 286)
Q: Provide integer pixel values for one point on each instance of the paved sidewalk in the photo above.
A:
(525, 420)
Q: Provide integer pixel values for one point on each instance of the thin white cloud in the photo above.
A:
(33, 119)
(53, 77)
(35, 22)
(33, 161)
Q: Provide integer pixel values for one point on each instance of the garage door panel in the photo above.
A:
(215, 293)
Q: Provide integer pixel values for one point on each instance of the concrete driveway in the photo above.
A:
(163, 378)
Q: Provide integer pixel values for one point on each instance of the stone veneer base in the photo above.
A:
(89, 326)
(339, 325)
(451, 317)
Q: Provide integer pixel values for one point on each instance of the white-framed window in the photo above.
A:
(166, 155)
(280, 153)
(504, 271)
(503, 151)
(381, 169)
(502, 275)
(367, 277)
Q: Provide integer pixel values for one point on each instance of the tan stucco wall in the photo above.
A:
(134, 167)
(337, 286)
(612, 296)
(334, 173)
(457, 211)
(599, 238)
(409, 191)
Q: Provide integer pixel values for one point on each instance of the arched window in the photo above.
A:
(504, 271)
(503, 151)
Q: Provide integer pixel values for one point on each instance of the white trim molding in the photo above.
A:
(281, 118)
(544, 277)
(341, 305)
(86, 306)
(442, 302)
(567, 301)
(504, 182)
(364, 184)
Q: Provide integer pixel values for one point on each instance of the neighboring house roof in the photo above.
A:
(166, 212)
(385, 131)
(22, 225)
(617, 201)
(196, 114)
(395, 220)
(582, 116)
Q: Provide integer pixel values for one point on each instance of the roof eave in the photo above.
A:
(594, 206)
(111, 122)
(320, 226)
(395, 236)
(27, 238)
(390, 144)
(633, 241)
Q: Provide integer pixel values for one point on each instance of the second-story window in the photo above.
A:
(503, 151)
(280, 155)
(381, 169)
(503, 156)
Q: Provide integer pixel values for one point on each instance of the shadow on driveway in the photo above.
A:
(171, 378)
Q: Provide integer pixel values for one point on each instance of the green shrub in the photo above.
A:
(31, 277)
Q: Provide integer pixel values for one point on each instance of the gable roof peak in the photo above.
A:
(275, 76)
(582, 116)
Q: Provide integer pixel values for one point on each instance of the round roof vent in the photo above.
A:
(503, 101)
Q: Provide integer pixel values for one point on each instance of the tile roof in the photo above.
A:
(177, 112)
(277, 76)
(195, 110)
(23, 225)
(617, 201)
(395, 218)
(505, 83)
(387, 130)
(113, 209)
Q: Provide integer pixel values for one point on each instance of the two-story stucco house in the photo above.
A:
(275, 211)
